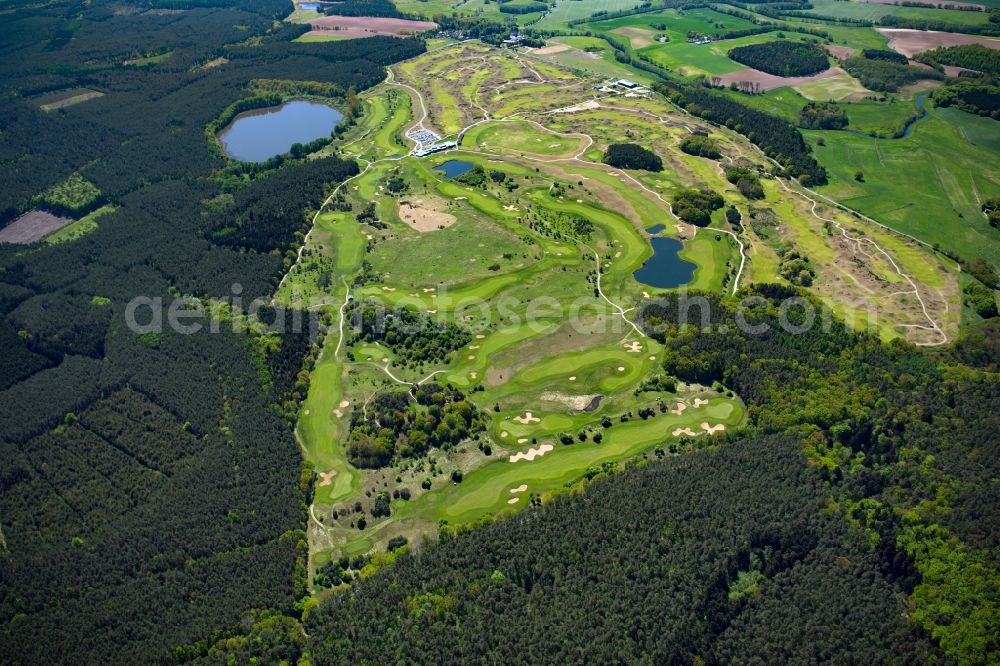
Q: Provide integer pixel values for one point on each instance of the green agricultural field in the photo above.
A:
(927, 185)
(570, 10)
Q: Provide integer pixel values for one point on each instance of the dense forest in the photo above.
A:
(782, 58)
(632, 156)
(981, 97)
(152, 489)
(970, 56)
(777, 137)
(885, 75)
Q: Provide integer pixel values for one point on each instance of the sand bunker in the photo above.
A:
(473, 375)
(513, 500)
(520, 489)
(527, 418)
(425, 219)
(589, 105)
(532, 453)
(480, 336)
(503, 434)
(679, 409)
(339, 414)
(711, 430)
(633, 347)
(344, 403)
(698, 402)
(621, 368)
(473, 346)
(549, 50)
(366, 26)
(327, 477)
(685, 431)
(573, 378)
(522, 440)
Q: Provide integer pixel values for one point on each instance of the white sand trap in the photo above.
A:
(652, 358)
(471, 357)
(327, 477)
(461, 198)
(513, 500)
(579, 200)
(621, 368)
(511, 208)
(344, 403)
(428, 289)
(573, 378)
(522, 440)
(370, 237)
(633, 347)
(473, 375)
(582, 106)
(645, 294)
(473, 346)
(339, 414)
(527, 418)
(425, 219)
(388, 289)
(306, 412)
(432, 312)
(618, 254)
(711, 430)
(698, 402)
(503, 434)
(520, 489)
(679, 409)
(550, 49)
(480, 336)
(531, 454)
(685, 431)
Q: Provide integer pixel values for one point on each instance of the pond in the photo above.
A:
(258, 135)
(665, 270)
(455, 168)
(656, 228)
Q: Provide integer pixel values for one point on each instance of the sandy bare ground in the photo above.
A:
(770, 81)
(32, 226)
(589, 105)
(575, 403)
(936, 3)
(532, 453)
(83, 95)
(911, 42)
(367, 26)
(552, 48)
(639, 37)
(424, 219)
(839, 52)
(327, 477)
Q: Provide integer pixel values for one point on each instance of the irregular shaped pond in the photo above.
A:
(665, 270)
(258, 135)
(454, 168)
(656, 228)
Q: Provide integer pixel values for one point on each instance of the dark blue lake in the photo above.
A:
(665, 270)
(656, 228)
(258, 135)
(455, 168)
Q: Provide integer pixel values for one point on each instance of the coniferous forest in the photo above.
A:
(150, 483)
